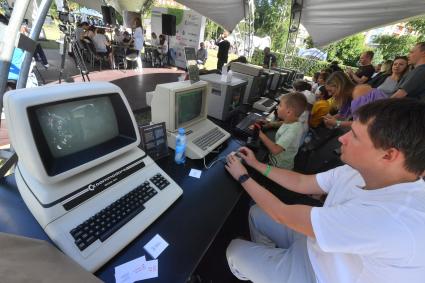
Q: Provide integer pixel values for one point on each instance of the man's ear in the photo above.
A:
(391, 154)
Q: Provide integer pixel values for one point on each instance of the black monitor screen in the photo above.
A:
(190, 53)
(73, 132)
(189, 105)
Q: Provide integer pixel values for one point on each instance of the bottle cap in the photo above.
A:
(181, 131)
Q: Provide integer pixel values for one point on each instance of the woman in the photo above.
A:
(138, 40)
(384, 72)
(398, 69)
(348, 98)
(340, 87)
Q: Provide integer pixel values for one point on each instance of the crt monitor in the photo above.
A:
(58, 134)
(190, 53)
(180, 104)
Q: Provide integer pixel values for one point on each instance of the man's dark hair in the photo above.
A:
(398, 123)
(421, 46)
(301, 85)
(370, 54)
(296, 101)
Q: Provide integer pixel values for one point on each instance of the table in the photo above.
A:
(189, 225)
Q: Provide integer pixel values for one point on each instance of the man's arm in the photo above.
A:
(359, 80)
(293, 181)
(296, 217)
(399, 93)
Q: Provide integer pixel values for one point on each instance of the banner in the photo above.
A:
(190, 27)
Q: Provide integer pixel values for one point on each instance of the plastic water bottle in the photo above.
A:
(179, 156)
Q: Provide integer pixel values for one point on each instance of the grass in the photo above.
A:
(211, 63)
(52, 33)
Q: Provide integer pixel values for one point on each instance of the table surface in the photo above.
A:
(189, 225)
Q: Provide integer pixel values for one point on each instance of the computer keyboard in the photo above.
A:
(106, 222)
(246, 122)
(268, 103)
(209, 138)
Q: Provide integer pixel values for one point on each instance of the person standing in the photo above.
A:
(138, 40)
(269, 60)
(223, 50)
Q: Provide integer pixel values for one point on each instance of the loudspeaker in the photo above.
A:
(168, 24)
(108, 14)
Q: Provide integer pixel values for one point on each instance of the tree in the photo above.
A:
(272, 19)
(347, 50)
(392, 46)
(418, 25)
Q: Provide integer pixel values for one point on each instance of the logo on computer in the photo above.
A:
(91, 187)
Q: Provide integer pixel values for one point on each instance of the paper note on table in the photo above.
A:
(156, 246)
(124, 272)
(148, 270)
(135, 270)
(195, 173)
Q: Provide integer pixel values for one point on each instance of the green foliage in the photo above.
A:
(212, 30)
(309, 42)
(308, 66)
(392, 46)
(272, 19)
(347, 50)
(147, 8)
(418, 25)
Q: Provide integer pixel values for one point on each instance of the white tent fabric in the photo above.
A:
(227, 13)
(330, 20)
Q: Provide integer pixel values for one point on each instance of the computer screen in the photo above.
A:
(180, 104)
(189, 106)
(74, 126)
(190, 53)
(69, 128)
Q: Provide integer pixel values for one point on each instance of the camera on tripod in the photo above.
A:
(66, 17)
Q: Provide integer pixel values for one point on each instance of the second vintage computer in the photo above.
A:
(185, 105)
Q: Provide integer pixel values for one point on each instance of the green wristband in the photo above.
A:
(268, 169)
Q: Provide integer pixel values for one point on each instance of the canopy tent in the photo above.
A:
(329, 20)
(227, 13)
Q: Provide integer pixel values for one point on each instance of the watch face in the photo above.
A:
(243, 178)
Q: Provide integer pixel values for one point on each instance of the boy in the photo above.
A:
(287, 140)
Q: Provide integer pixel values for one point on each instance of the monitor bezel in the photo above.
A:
(56, 166)
(202, 114)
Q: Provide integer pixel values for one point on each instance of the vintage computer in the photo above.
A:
(185, 105)
(80, 171)
(253, 74)
(226, 97)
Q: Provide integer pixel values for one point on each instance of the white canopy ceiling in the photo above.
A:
(227, 13)
(330, 20)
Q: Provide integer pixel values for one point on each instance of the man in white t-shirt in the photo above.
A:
(371, 228)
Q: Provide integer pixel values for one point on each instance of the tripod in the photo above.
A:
(78, 57)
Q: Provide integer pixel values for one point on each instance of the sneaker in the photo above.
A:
(46, 66)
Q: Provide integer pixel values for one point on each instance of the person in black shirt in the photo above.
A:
(223, 50)
(269, 59)
(366, 69)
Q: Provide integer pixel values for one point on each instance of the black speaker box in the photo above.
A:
(168, 24)
(108, 14)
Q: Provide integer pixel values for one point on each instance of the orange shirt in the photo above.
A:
(320, 109)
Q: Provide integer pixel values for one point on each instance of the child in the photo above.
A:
(320, 109)
(282, 151)
(305, 88)
(321, 81)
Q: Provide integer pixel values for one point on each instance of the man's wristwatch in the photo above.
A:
(242, 179)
